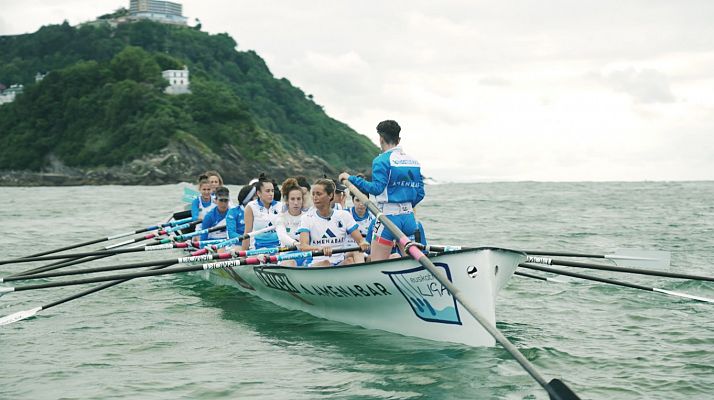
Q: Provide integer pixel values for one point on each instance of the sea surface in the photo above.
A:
(179, 337)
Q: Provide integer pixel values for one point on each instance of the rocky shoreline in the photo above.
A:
(178, 162)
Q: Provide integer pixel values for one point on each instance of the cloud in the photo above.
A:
(647, 86)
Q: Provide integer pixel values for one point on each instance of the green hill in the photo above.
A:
(102, 107)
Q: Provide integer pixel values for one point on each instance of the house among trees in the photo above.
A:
(8, 95)
(178, 81)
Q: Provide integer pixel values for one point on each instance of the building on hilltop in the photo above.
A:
(160, 11)
(178, 81)
(8, 95)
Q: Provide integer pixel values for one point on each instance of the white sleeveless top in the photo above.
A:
(264, 217)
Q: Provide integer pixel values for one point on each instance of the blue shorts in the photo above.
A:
(405, 222)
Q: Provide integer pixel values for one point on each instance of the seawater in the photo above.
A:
(180, 337)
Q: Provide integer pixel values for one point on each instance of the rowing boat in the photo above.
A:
(397, 295)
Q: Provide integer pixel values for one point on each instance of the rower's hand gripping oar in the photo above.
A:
(556, 389)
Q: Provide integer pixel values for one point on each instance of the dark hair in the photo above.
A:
(328, 184)
(302, 181)
(244, 193)
(222, 191)
(202, 177)
(262, 179)
(389, 130)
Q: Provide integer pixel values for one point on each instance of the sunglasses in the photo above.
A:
(222, 200)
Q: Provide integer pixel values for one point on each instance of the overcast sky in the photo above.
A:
(485, 90)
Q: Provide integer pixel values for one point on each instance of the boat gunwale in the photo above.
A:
(328, 267)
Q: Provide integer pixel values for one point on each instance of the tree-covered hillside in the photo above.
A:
(102, 102)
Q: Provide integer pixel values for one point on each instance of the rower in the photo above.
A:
(340, 196)
(364, 220)
(235, 220)
(397, 184)
(323, 228)
(203, 203)
(262, 213)
(288, 221)
(305, 185)
(217, 215)
(215, 179)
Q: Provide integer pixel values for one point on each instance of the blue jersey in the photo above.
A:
(235, 222)
(211, 219)
(199, 208)
(396, 178)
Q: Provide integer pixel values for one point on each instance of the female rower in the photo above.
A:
(305, 185)
(323, 228)
(203, 203)
(364, 219)
(217, 215)
(215, 179)
(235, 220)
(262, 213)
(289, 220)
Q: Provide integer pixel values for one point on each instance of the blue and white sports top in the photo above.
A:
(264, 217)
(287, 228)
(211, 219)
(363, 224)
(199, 208)
(235, 222)
(396, 182)
(328, 232)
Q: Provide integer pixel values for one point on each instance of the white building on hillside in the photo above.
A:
(161, 11)
(8, 95)
(178, 80)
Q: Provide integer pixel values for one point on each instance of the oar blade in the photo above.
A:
(19, 316)
(641, 258)
(560, 391)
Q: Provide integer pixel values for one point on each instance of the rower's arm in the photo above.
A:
(380, 177)
(248, 227)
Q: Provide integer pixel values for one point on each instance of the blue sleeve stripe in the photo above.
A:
(352, 229)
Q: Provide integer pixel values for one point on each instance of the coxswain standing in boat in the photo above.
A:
(217, 215)
(262, 213)
(397, 185)
(288, 220)
(324, 228)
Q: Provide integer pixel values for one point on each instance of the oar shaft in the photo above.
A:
(96, 289)
(614, 282)
(603, 267)
(426, 263)
(73, 246)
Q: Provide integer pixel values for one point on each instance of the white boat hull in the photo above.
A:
(398, 296)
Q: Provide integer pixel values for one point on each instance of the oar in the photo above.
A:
(164, 232)
(181, 238)
(191, 268)
(19, 316)
(614, 282)
(556, 389)
(111, 237)
(627, 257)
(235, 240)
(540, 278)
(603, 267)
(181, 260)
(165, 246)
(31, 312)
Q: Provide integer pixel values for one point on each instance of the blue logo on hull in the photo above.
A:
(429, 300)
